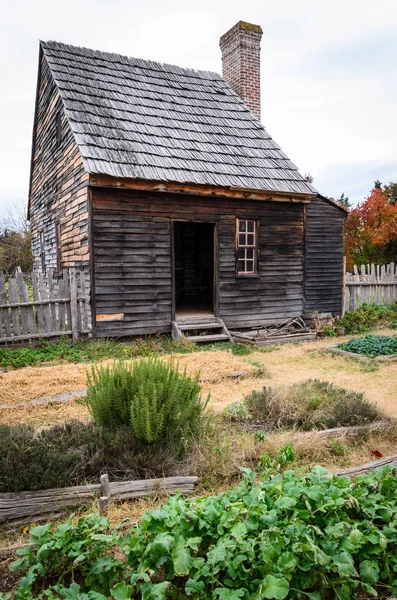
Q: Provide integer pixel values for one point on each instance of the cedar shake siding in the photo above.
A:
(324, 256)
(132, 244)
(58, 189)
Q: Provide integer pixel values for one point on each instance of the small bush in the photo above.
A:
(367, 316)
(150, 395)
(312, 404)
(76, 453)
(371, 345)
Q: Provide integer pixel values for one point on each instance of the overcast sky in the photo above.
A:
(329, 74)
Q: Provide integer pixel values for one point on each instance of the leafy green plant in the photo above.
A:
(371, 345)
(82, 552)
(236, 411)
(289, 536)
(292, 535)
(150, 395)
(329, 331)
(285, 456)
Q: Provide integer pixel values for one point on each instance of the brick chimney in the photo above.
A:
(241, 48)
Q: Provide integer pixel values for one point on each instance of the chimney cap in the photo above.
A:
(241, 26)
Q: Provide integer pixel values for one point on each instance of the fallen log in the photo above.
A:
(368, 467)
(31, 503)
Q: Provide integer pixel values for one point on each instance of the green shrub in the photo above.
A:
(368, 315)
(371, 345)
(150, 395)
(290, 536)
(76, 453)
(312, 404)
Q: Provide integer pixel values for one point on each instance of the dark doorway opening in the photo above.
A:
(194, 268)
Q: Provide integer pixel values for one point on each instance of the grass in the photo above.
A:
(94, 350)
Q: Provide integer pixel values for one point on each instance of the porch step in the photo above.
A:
(202, 328)
(217, 337)
(193, 326)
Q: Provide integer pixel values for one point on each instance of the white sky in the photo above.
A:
(329, 84)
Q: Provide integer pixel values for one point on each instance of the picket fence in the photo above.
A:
(372, 284)
(51, 306)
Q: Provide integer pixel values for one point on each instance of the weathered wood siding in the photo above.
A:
(58, 191)
(324, 257)
(132, 259)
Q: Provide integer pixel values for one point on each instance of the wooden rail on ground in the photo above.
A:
(373, 284)
(60, 306)
(33, 503)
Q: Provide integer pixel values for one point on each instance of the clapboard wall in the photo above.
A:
(324, 256)
(132, 259)
(58, 186)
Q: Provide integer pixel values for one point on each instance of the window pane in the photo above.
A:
(250, 239)
(241, 253)
(250, 266)
(249, 253)
(242, 239)
(251, 226)
(241, 266)
(242, 225)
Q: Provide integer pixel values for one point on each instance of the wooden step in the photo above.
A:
(193, 326)
(218, 337)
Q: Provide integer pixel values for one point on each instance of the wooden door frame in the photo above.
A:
(215, 270)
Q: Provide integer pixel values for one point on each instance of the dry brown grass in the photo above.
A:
(290, 364)
(35, 382)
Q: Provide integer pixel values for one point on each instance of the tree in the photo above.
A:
(309, 177)
(15, 239)
(371, 231)
(391, 192)
(344, 201)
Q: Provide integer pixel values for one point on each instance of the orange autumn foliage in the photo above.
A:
(371, 231)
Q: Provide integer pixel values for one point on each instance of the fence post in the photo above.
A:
(105, 494)
(73, 304)
(344, 287)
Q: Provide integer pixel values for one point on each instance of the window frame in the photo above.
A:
(246, 246)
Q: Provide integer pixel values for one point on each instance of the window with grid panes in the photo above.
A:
(246, 246)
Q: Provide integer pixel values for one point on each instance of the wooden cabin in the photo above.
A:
(162, 184)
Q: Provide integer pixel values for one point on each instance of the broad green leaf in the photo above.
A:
(38, 532)
(345, 564)
(181, 558)
(369, 571)
(157, 591)
(194, 587)
(226, 594)
(275, 587)
(122, 591)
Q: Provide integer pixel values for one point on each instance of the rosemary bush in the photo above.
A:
(149, 395)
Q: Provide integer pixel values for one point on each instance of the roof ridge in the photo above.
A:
(122, 58)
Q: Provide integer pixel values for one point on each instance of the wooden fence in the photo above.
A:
(373, 284)
(43, 306)
(15, 505)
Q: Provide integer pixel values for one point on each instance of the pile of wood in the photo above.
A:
(291, 330)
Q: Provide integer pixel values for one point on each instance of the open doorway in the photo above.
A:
(194, 268)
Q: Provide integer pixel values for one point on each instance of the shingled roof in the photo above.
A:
(140, 119)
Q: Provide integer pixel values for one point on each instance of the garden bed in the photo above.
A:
(370, 347)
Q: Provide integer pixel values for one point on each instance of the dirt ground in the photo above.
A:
(284, 365)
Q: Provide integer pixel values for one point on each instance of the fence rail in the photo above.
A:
(373, 284)
(50, 306)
